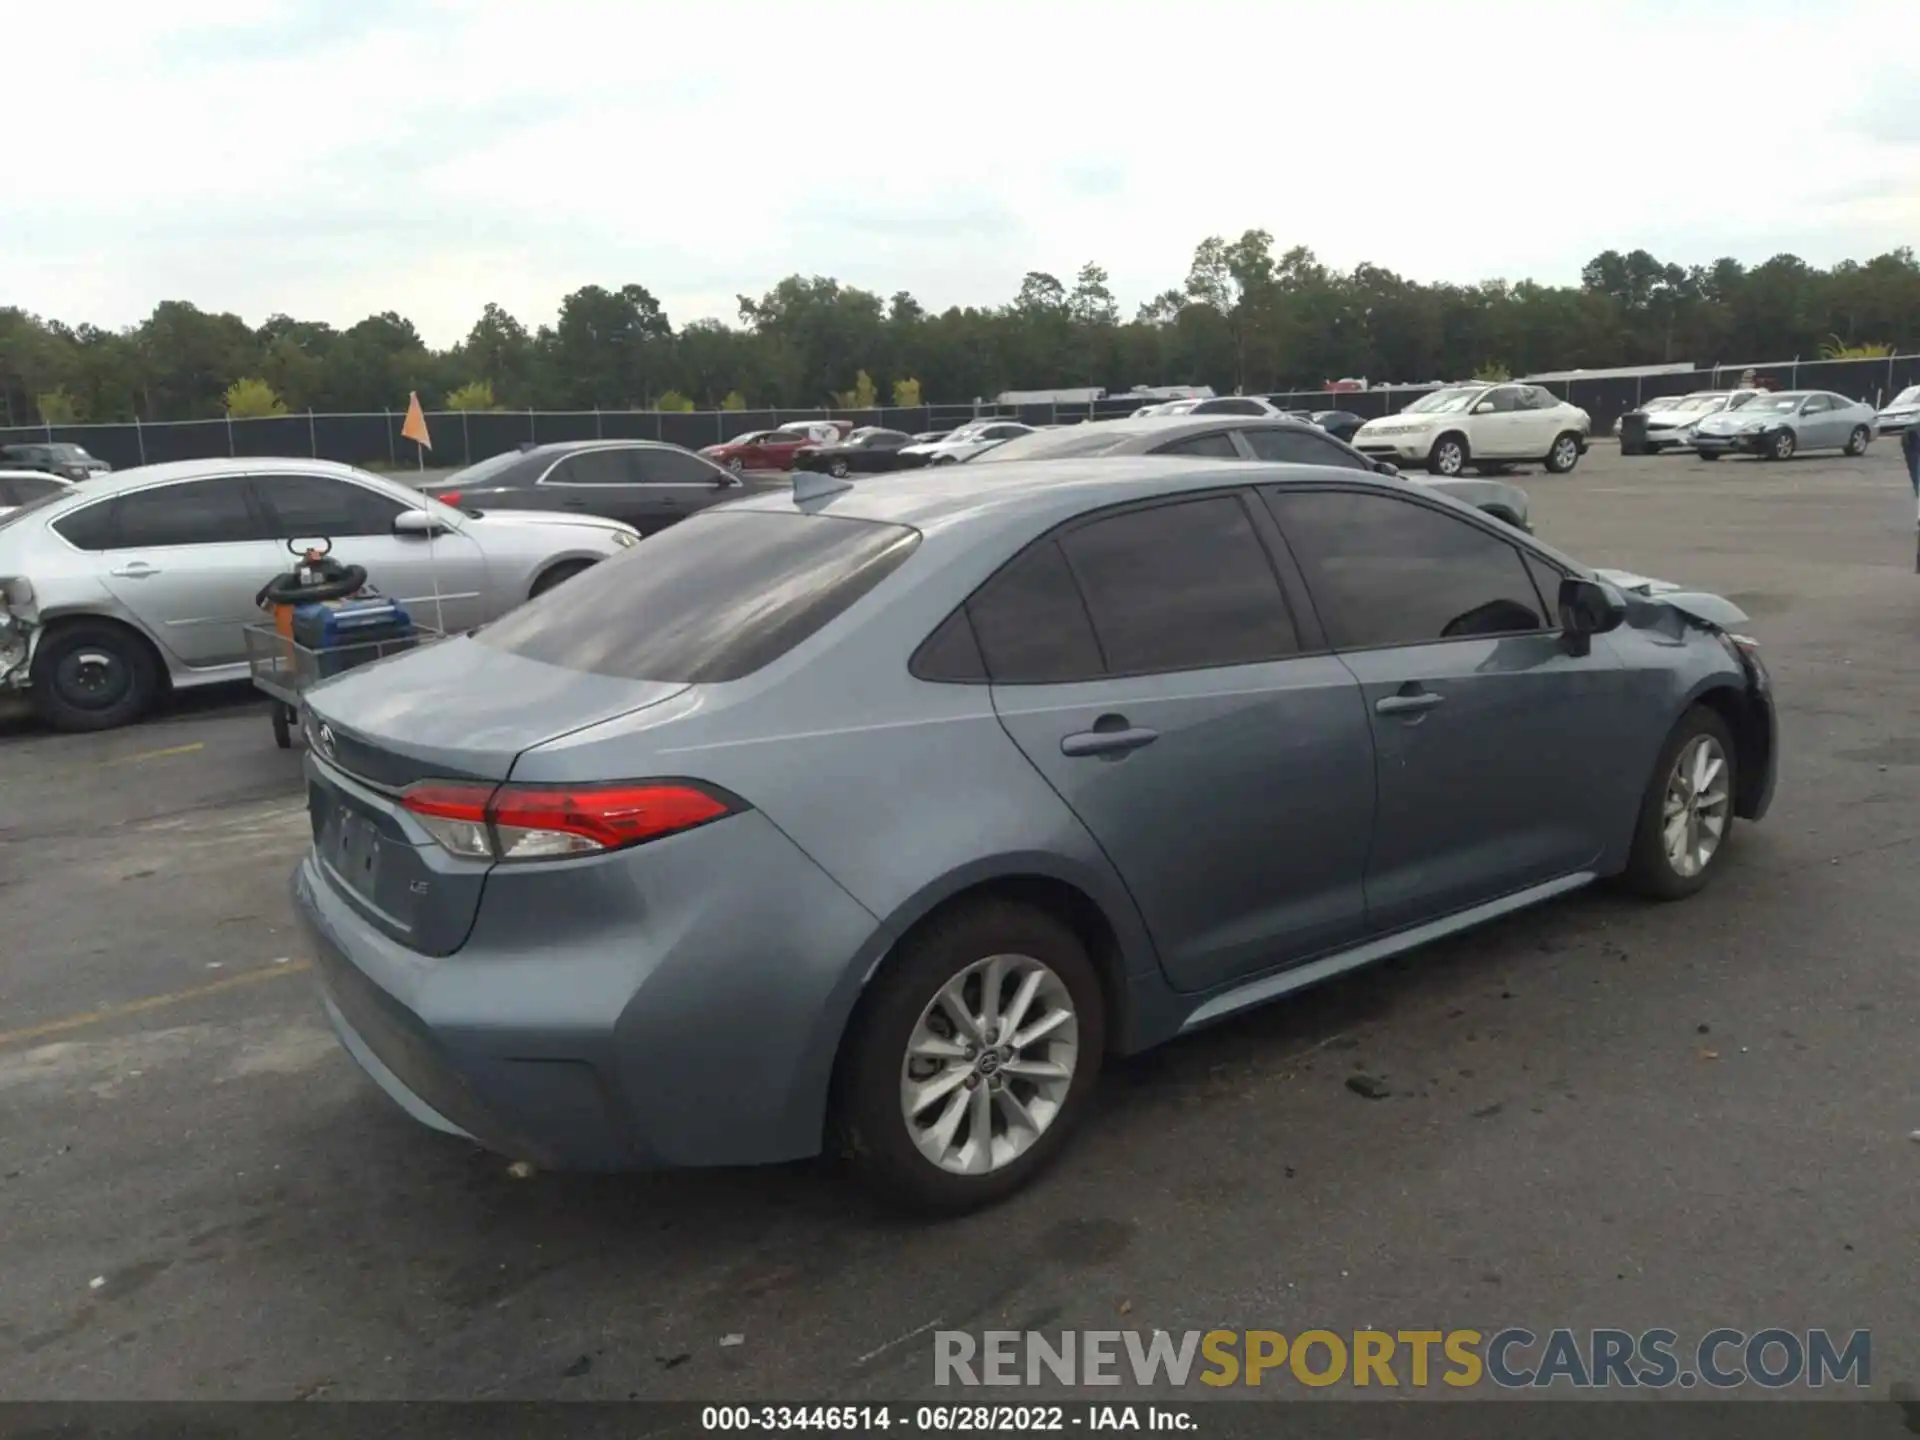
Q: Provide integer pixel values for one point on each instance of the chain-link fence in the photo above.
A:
(461, 437)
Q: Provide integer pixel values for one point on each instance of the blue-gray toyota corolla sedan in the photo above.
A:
(875, 815)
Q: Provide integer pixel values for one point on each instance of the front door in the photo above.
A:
(1146, 662)
(441, 581)
(1822, 424)
(1500, 433)
(1495, 747)
(186, 560)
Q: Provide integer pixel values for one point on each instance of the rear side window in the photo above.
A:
(1217, 446)
(216, 511)
(27, 488)
(1297, 447)
(1031, 623)
(1181, 587)
(88, 528)
(673, 467)
(708, 600)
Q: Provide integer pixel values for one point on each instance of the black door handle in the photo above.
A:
(1411, 700)
(1110, 735)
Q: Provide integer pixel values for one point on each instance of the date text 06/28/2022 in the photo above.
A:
(1514, 1358)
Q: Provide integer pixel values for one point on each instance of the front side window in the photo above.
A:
(1504, 400)
(1298, 447)
(193, 512)
(312, 506)
(1450, 401)
(1183, 586)
(1385, 571)
(709, 600)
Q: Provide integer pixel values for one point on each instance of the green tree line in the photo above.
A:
(1244, 318)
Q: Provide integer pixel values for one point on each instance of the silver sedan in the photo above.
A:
(1779, 425)
(144, 580)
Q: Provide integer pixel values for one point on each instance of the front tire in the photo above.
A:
(1687, 811)
(838, 469)
(1708, 454)
(971, 1058)
(93, 675)
(1781, 446)
(737, 465)
(1857, 441)
(1449, 455)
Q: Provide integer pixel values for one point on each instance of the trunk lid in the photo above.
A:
(456, 710)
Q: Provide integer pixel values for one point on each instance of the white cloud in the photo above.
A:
(335, 157)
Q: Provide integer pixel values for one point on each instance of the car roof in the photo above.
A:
(1171, 427)
(1023, 493)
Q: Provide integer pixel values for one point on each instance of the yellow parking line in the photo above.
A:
(152, 1002)
(160, 754)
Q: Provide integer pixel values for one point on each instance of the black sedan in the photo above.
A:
(868, 451)
(646, 484)
(1341, 424)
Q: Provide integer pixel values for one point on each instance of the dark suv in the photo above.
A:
(69, 462)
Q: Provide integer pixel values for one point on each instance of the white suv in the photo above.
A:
(1484, 427)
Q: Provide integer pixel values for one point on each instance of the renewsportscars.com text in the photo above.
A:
(1512, 1358)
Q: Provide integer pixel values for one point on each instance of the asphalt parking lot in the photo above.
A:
(1599, 1112)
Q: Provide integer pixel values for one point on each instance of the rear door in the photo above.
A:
(441, 580)
(1499, 754)
(1147, 662)
(187, 560)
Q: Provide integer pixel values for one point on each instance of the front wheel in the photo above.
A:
(1857, 441)
(1687, 809)
(736, 464)
(1708, 454)
(972, 1056)
(1781, 446)
(1564, 455)
(838, 469)
(1448, 456)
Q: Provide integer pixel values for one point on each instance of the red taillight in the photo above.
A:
(545, 822)
(447, 497)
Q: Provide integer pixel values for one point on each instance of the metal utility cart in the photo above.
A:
(283, 668)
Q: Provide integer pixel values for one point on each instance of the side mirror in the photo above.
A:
(1587, 608)
(419, 525)
(1387, 468)
(1485, 407)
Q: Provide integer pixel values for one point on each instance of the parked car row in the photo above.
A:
(1769, 424)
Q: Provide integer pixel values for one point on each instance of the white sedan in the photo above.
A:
(966, 442)
(145, 579)
(1483, 427)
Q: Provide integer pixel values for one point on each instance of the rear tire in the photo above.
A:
(1708, 454)
(1564, 455)
(93, 675)
(1449, 456)
(558, 575)
(905, 1015)
(1677, 812)
(1857, 441)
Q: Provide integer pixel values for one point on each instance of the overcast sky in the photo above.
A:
(331, 158)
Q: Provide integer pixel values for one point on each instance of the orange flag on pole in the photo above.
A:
(414, 428)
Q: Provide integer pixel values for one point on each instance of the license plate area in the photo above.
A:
(355, 850)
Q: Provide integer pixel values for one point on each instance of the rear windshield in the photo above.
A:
(708, 600)
(1056, 444)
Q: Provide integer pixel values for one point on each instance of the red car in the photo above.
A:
(759, 450)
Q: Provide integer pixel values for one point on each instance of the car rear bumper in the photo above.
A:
(676, 1005)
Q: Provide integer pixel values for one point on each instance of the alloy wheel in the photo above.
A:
(1694, 810)
(1447, 457)
(989, 1064)
(1565, 453)
(1783, 445)
(838, 468)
